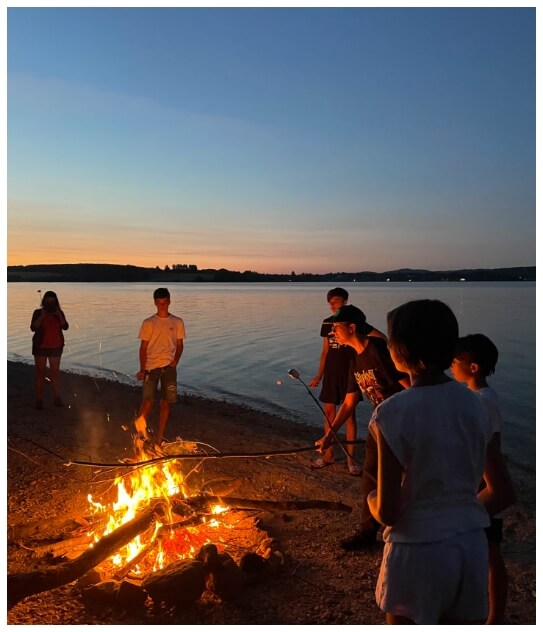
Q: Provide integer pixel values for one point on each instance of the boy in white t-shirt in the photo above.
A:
(432, 447)
(161, 347)
(475, 359)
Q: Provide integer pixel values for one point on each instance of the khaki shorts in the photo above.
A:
(425, 582)
(167, 376)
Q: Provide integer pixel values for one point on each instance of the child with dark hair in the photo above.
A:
(372, 373)
(475, 359)
(161, 346)
(432, 447)
(333, 371)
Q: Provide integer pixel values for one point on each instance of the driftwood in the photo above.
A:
(61, 548)
(57, 526)
(21, 585)
(269, 505)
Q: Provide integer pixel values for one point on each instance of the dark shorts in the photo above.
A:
(494, 532)
(167, 376)
(48, 353)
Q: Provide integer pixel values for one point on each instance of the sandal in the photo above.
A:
(318, 464)
(355, 470)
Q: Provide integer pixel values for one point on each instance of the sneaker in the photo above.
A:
(318, 464)
(355, 470)
(362, 539)
(39, 404)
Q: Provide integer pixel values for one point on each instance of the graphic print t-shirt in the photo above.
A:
(374, 373)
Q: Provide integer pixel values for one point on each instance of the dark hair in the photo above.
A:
(161, 292)
(50, 294)
(479, 349)
(350, 314)
(423, 334)
(338, 291)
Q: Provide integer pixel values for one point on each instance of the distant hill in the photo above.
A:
(102, 272)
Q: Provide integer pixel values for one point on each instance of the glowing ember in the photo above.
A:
(161, 544)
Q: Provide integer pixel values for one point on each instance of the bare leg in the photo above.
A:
(350, 432)
(497, 585)
(145, 408)
(330, 411)
(369, 481)
(41, 371)
(163, 419)
(54, 365)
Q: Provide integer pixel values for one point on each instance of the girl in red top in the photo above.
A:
(48, 324)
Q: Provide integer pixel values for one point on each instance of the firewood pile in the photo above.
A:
(220, 556)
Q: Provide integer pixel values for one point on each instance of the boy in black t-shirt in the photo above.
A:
(333, 372)
(372, 373)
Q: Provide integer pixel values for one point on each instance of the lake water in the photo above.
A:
(242, 339)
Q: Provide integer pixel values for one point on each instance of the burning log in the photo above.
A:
(164, 530)
(21, 585)
(269, 505)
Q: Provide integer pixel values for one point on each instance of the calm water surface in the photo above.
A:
(243, 338)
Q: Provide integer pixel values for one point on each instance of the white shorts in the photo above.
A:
(425, 582)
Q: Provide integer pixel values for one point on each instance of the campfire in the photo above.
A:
(164, 542)
(159, 531)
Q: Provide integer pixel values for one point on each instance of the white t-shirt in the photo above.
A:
(489, 398)
(439, 434)
(162, 335)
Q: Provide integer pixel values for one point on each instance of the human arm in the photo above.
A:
(63, 322)
(143, 359)
(498, 493)
(325, 347)
(178, 352)
(36, 320)
(345, 411)
(384, 502)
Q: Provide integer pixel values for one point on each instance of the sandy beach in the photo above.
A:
(319, 583)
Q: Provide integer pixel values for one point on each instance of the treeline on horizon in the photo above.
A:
(101, 272)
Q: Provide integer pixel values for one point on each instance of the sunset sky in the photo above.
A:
(313, 140)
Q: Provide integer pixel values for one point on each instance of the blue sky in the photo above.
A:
(313, 140)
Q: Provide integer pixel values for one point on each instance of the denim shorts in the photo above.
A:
(167, 376)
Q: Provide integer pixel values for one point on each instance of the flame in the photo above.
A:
(160, 480)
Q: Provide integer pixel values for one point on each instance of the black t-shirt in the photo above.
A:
(373, 372)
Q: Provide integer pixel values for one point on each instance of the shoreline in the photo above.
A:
(330, 585)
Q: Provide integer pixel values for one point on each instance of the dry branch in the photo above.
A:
(58, 527)
(271, 505)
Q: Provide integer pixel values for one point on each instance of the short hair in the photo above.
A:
(423, 334)
(338, 291)
(479, 349)
(161, 292)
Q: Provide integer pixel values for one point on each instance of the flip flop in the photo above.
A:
(318, 464)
